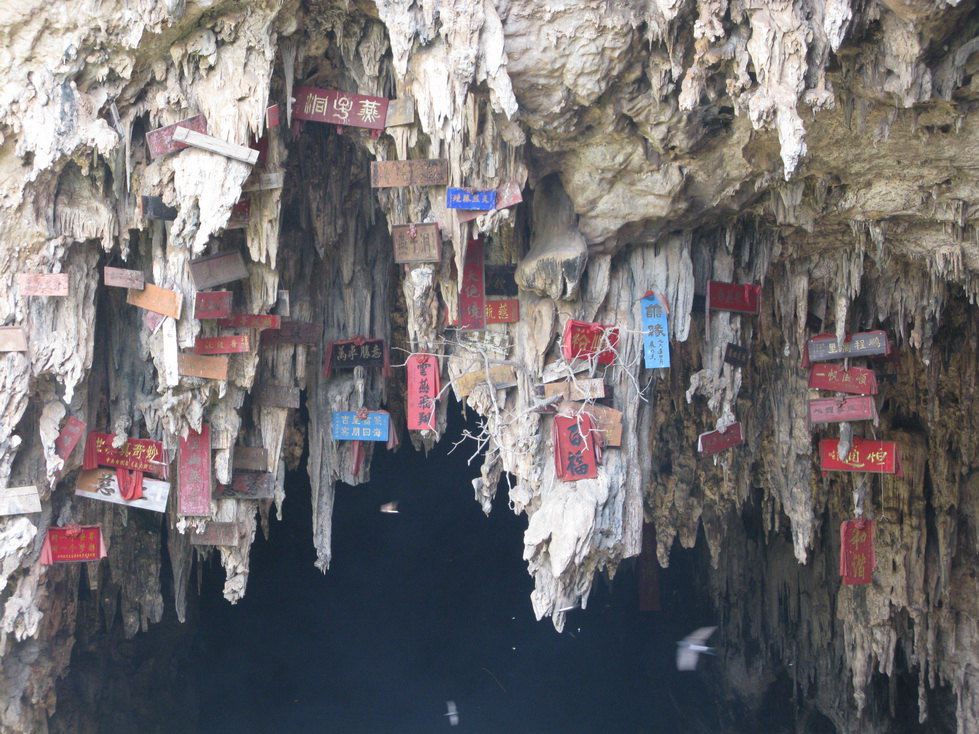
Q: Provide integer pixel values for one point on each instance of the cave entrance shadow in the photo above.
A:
(424, 606)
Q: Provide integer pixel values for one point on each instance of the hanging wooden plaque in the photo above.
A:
(19, 501)
(225, 267)
(843, 410)
(250, 458)
(389, 174)
(154, 208)
(574, 448)
(250, 321)
(43, 284)
(736, 355)
(424, 385)
(585, 340)
(501, 281)
(498, 342)
(501, 376)
(470, 200)
(417, 243)
(472, 296)
(273, 115)
(216, 533)
(504, 311)
(122, 278)
(857, 557)
(340, 108)
(400, 112)
(855, 380)
(738, 297)
(265, 181)
(824, 347)
(103, 485)
(160, 141)
(507, 195)
(357, 352)
(247, 485)
(277, 396)
(215, 145)
(875, 457)
(584, 389)
(13, 339)
(363, 425)
(221, 344)
(293, 332)
(73, 544)
(137, 454)
(156, 299)
(607, 421)
(194, 473)
(714, 442)
(196, 365)
(71, 433)
(212, 305)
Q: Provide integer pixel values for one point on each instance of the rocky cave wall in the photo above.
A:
(824, 150)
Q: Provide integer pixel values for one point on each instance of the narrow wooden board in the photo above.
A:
(251, 458)
(265, 181)
(123, 278)
(71, 433)
(587, 389)
(215, 533)
(502, 376)
(160, 141)
(196, 365)
(19, 501)
(277, 396)
(156, 299)
(215, 145)
(221, 344)
(293, 332)
(225, 267)
(250, 321)
(336, 107)
(607, 420)
(389, 174)
(43, 284)
(13, 339)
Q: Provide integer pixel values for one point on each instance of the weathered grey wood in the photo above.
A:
(277, 396)
(251, 458)
(400, 112)
(216, 533)
(265, 181)
(215, 145)
(212, 270)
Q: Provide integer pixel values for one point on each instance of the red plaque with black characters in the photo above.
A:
(160, 141)
(137, 454)
(713, 442)
(738, 297)
(575, 455)
(586, 340)
(340, 108)
(424, 384)
(857, 557)
(72, 544)
(194, 473)
(876, 457)
(855, 380)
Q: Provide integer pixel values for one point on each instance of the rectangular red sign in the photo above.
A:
(71, 433)
(740, 297)
(424, 384)
(574, 448)
(340, 108)
(857, 556)
(212, 305)
(160, 141)
(506, 311)
(139, 454)
(472, 297)
(586, 340)
(840, 410)
(856, 380)
(250, 321)
(72, 544)
(824, 347)
(221, 344)
(194, 473)
(43, 284)
(247, 486)
(714, 442)
(877, 457)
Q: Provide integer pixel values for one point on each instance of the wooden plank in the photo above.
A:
(123, 278)
(737, 297)
(160, 141)
(103, 485)
(196, 365)
(497, 342)
(282, 308)
(862, 344)
(855, 380)
(156, 299)
(273, 115)
(251, 458)
(43, 284)
(560, 370)
(877, 457)
(607, 420)
(19, 501)
(212, 305)
(215, 145)
(389, 174)
(247, 485)
(417, 243)
(472, 295)
(250, 321)
(843, 410)
(712, 442)
(277, 396)
(401, 111)
(736, 355)
(194, 473)
(504, 311)
(346, 354)
(265, 181)
(578, 390)
(154, 208)
(340, 108)
(225, 267)
(221, 344)
(13, 339)
(216, 533)
(293, 332)
(507, 195)
(137, 454)
(501, 376)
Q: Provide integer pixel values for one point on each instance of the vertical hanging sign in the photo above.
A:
(857, 557)
(472, 297)
(194, 473)
(423, 390)
(655, 330)
(574, 448)
(71, 434)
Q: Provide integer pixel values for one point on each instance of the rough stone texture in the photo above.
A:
(823, 149)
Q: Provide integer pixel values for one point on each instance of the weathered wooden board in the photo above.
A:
(855, 380)
(400, 112)
(251, 321)
(507, 195)
(160, 141)
(43, 284)
(156, 299)
(221, 344)
(216, 145)
(736, 355)
(389, 174)
(273, 116)
(862, 344)
(739, 297)
(212, 305)
(154, 208)
(340, 108)
(103, 485)
(277, 396)
(501, 376)
(607, 420)
(215, 533)
(13, 339)
(497, 342)
(247, 485)
(123, 278)
(714, 442)
(251, 458)
(196, 365)
(472, 295)
(501, 280)
(265, 181)
(575, 457)
(417, 243)
(843, 410)
(19, 501)
(293, 332)
(857, 556)
(225, 267)
(577, 390)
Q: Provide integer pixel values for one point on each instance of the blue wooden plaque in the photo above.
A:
(348, 427)
(482, 201)
(656, 331)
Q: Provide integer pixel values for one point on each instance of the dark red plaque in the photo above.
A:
(876, 457)
(472, 297)
(248, 486)
(194, 473)
(73, 544)
(137, 454)
(857, 557)
(424, 384)
(739, 297)
(575, 456)
(221, 344)
(160, 141)
(586, 340)
(250, 321)
(714, 442)
(340, 108)
(855, 380)
(212, 305)
(356, 352)
(505, 311)
(840, 410)
(71, 433)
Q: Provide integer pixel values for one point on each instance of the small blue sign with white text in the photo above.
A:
(482, 201)
(348, 427)
(655, 331)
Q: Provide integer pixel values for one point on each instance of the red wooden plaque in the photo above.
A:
(293, 332)
(472, 297)
(574, 448)
(340, 108)
(740, 297)
(824, 347)
(839, 410)
(424, 385)
(506, 311)
(194, 473)
(877, 457)
(221, 344)
(248, 486)
(388, 174)
(71, 433)
(43, 284)
(122, 278)
(138, 454)
(160, 141)
(72, 544)
(272, 116)
(857, 557)
(714, 442)
(250, 321)
(584, 340)
(856, 380)
(212, 305)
